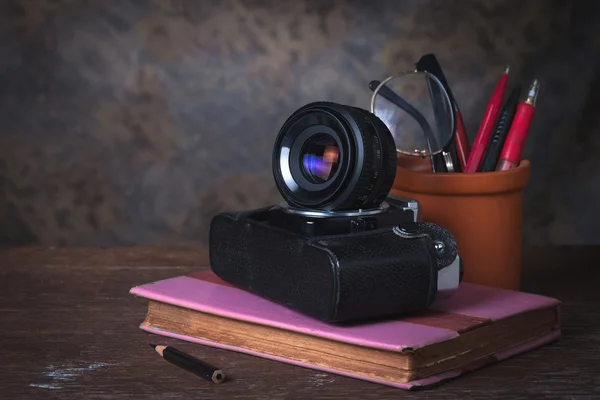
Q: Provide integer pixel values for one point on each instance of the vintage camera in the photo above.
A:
(340, 249)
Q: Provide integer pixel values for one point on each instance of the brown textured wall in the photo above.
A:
(133, 122)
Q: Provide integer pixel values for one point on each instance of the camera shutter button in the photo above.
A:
(408, 231)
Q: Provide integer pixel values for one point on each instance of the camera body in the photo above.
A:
(342, 249)
(336, 268)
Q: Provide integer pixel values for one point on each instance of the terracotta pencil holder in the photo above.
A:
(484, 212)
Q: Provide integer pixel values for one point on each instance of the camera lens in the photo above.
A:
(333, 157)
(320, 158)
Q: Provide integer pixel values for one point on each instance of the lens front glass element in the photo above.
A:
(320, 158)
(333, 157)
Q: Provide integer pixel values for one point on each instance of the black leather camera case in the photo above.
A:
(338, 278)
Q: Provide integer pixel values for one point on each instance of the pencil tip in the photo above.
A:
(535, 82)
(153, 346)
(507, 70)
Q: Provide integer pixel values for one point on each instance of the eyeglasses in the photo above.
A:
(418, 111)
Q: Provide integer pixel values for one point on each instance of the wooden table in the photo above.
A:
(69, 330)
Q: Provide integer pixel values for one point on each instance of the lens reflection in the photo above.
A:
(320, 158)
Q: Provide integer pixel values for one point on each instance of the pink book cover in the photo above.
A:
(471, 305)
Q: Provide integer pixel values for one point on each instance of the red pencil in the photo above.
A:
(515, 140)
(462, 143)
(487, 125)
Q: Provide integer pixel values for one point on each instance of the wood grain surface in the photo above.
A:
(69, 330)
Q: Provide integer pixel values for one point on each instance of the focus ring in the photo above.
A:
(388, 157)
(361, 190)
(369, 192)
(368, 158)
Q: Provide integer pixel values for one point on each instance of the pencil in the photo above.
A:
(461, 140)
(190, 363)
(487, 125)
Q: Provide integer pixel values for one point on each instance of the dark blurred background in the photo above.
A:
(134, 122)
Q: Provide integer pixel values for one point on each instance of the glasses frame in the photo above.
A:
(413, 112)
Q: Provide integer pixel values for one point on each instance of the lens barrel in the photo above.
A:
(334, 157)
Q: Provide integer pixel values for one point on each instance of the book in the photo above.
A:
(477, 326)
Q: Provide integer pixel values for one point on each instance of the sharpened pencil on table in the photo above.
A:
(190, 364)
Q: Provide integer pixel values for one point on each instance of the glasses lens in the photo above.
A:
(417, 110)
(320, 158)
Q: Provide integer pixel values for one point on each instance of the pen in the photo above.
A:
(502, 126)
(190, 363)
(487, 124)
(511, 152)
